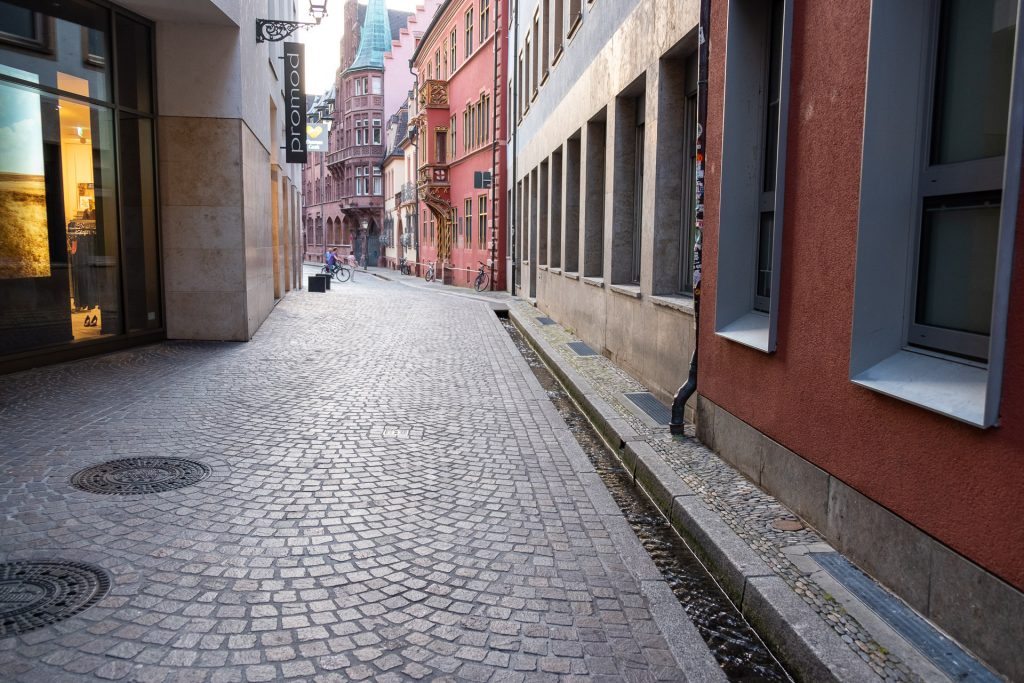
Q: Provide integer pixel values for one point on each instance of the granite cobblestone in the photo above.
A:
(388, 501)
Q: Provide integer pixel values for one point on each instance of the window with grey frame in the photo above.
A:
(960, 185)
(638, 192)
(769, 158)
(687, 223)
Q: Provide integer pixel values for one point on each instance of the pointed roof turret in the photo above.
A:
(374, 38)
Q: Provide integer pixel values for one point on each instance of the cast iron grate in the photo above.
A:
(581, 349)
(132, 476)
(943, 652)
(645, 401)
(545, 321)
(37, 594)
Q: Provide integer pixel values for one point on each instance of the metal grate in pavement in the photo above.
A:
(38, 594)
(545, 321)
(645, 401)
(943, 652)
(581, 349)
(131, 476)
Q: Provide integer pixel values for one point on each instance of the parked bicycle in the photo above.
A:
(338, 271)
(482, 278)
(404, 268)
(429, 276)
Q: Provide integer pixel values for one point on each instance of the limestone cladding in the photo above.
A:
(229, 203)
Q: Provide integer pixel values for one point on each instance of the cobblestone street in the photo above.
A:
(390, 495)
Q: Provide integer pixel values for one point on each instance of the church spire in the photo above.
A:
(374, 39)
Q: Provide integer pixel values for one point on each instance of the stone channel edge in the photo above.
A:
(811, 651)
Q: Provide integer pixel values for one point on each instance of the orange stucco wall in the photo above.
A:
(962, 485)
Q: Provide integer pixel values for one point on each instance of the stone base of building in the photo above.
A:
(971, 604)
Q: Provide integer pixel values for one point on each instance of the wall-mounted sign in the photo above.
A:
(316, 136)
(295, 103)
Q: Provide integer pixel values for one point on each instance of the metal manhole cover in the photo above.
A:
(37, 594)
(132, 476)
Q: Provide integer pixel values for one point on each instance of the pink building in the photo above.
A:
(460, 127)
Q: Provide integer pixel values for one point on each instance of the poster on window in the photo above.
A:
(24, 240)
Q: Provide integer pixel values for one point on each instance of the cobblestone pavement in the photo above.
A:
(748, 510)
(389, 499)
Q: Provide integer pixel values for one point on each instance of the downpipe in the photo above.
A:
(678, 424)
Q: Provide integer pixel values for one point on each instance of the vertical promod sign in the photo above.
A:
(295, 103)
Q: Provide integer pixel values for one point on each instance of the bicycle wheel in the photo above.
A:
(342, 274)
(429, 277)
(481, 282)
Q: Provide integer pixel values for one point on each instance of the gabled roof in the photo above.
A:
(400, 119)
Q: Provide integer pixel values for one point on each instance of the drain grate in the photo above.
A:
(545, 321)
(645, 401)
(581, 349)
(132, 476)
(37, 594)
(943, 653)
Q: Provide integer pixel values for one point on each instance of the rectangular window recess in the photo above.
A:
(581, 348)
(545, 321)
(655, 409)
(940, 650)
(626, 290)
(752, 329)
(938, 384)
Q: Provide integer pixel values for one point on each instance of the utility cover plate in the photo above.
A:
(943, 653)
(38, 594)
(133, 476)
(581, 348)
(645, 401)
(545, 321)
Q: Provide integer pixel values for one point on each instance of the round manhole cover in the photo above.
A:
(787, 524)
(140, 475)
(37, 594)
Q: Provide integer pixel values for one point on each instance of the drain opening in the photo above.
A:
(133, 476)
(38, 594)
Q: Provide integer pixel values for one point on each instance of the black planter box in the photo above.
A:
(317, 283)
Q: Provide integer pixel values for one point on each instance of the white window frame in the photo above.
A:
(897, 113)
(742, 200)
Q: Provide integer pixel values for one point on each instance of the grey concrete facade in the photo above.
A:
(611, 92)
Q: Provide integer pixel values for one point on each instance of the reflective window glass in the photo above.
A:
(134, 65)
(62, 45)
(59, 263)
(138, 219)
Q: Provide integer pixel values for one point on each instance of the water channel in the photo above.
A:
(742, 655)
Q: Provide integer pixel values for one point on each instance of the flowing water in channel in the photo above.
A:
(734, 644)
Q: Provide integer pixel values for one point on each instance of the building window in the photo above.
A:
(469, 222)
(469, 33)
(575, 15)
(360, 182)
(754, 135)
(572, 204)
(482, 228)
(451, 138)
(440, 145)
(444, 71)
(946, 204)
(376, 85)
(594, 184)
(485, 18)
(453, 42)
(546, 28)
(376, 181)
(535, 68)
(559, 26)
(376, 132)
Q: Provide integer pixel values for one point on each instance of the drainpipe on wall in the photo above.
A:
(513, 181)
(676, 426)
(414, 134)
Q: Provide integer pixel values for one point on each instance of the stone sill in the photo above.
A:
(571, 275)
(594, 281)
(679, 303)
(542, 267)
(555, 271)
(632, 291)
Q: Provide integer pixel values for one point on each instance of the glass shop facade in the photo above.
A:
(79, 243)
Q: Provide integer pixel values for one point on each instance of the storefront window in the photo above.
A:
(78, 235)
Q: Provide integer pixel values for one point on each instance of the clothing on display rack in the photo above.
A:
(82, 251)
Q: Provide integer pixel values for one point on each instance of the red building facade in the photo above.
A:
(460, 129)
(865, 362)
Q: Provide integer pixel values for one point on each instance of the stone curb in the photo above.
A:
(810, 650)
(684, 641)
